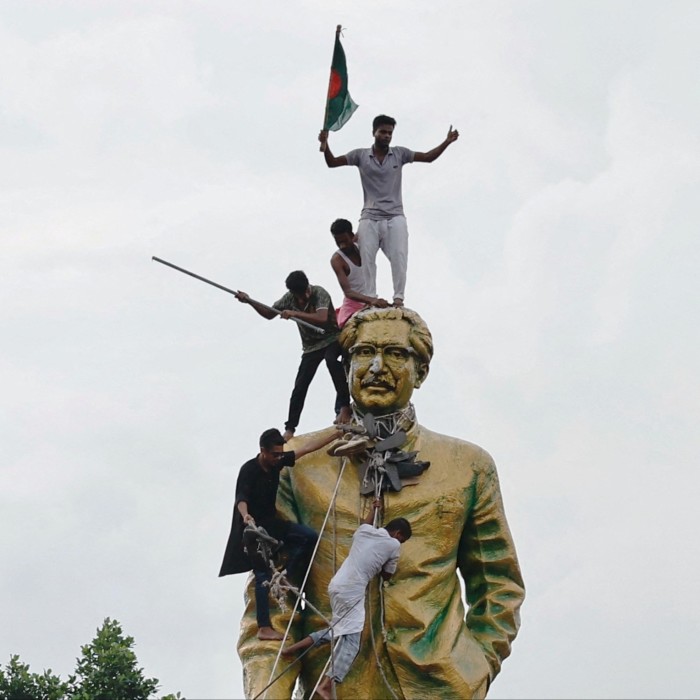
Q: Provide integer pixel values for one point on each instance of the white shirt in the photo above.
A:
(373, 550)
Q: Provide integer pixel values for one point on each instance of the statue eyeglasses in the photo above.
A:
(393, 355)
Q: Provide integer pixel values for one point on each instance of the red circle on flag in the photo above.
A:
(335, 84)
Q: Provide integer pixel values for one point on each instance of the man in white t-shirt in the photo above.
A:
(373, 551)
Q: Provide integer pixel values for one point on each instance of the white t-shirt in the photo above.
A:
(372, 550)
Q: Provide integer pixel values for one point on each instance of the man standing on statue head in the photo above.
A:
(382, 221)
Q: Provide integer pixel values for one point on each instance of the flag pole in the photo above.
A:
(338, 29)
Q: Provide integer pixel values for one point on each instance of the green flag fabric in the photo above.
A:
(339, 104)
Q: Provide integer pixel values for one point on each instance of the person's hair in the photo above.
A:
(341, 226)
(270, 438)
(400, 525)
(382, 119)
(297, 282)
(419, 335)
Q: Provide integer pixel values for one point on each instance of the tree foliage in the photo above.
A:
(18, 683)
(106, 670)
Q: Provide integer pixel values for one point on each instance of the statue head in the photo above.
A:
(389, 352)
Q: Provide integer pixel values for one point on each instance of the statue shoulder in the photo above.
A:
(467, 453)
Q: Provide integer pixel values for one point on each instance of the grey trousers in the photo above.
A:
(346, 648)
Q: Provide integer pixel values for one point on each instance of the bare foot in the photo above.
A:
(398, 302)
(268, 634)
(344, 416)
(299, 646)
(288, 435)
(324, 690)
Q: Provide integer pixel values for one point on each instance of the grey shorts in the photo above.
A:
(346, 648)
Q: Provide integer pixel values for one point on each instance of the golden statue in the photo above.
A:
(418, 640)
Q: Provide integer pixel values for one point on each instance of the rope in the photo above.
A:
(291, 665)
(279, 585)
(378, 491)
(308, 570)
(387, 424)
(318, 682)
(374, 644)
(331, 625)
(335, 568)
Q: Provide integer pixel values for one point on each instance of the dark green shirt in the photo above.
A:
(320, 299)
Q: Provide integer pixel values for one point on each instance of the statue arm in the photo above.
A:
(489, 566)
(258, 658)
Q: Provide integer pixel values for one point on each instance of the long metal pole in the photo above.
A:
(235, 293)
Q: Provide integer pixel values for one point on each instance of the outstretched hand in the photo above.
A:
(452, 135)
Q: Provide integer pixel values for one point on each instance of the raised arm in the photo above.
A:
(435, 153)
(338, 266)
(316, 443)
(369, 518)
(331, 160)
(264, 311)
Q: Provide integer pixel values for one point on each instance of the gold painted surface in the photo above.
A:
(458, 521)
(433, 647)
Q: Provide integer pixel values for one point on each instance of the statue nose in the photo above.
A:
(377, 363)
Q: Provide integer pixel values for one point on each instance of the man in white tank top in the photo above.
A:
(347, 265)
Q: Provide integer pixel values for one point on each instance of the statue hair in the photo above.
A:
(419, 335)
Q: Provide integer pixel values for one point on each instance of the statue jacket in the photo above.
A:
(419, 640)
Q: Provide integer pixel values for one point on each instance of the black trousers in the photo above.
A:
(306, 372)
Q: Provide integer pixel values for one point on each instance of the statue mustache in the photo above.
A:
(373, 381)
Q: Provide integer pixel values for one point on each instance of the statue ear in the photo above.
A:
(422, 369)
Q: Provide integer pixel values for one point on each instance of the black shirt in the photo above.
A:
(258, 488)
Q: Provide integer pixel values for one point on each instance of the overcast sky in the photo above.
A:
(554, 255)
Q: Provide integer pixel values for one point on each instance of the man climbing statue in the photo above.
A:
(256, 492)
(374, 551)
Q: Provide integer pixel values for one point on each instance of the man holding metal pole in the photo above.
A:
(311, 304)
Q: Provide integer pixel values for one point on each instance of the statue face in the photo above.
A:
(383, 366)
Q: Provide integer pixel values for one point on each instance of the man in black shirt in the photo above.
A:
(256, 493)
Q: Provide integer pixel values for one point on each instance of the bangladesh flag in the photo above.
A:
(339, 104)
